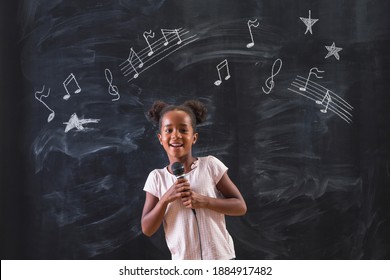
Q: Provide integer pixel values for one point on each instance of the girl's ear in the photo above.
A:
(159, 138)
(195, 138)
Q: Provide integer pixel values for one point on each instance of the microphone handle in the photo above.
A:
(182, 176)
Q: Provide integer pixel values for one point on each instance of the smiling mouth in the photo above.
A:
(176, 145)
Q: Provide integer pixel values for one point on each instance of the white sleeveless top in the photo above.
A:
(181, 229)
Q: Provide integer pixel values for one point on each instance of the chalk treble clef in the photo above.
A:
(269, 83)
(112, 90)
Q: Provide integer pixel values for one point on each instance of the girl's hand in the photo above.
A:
(194, 200)
(232, 203)
(180, 189)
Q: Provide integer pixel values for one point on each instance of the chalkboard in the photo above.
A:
(298, 100)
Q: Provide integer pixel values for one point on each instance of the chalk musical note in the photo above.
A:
(52, 114)
(146, 36)
(220, 66)
(269, 83)
(251, 23)
(328, 98)
(319, 94)
(66, 84)
(143, 59)
(129, 64)
(170, 31)
(112, 90)
(308, 77)
(75, 122)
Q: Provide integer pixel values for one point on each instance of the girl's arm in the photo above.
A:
(233, 204)
(154, 209)
(152, 214)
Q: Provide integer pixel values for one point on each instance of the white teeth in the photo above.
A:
(176, 145)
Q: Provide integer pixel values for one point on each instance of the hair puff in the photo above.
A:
(199, 110)
(194, 108)
(154, 112)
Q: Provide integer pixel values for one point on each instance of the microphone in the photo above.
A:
(178, 170)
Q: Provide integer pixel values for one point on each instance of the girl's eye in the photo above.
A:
(170, 130)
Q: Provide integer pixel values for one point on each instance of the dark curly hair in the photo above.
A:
(194, 108)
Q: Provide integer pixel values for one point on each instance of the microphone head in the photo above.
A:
(177, 169)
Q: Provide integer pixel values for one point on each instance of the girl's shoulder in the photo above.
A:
(210, 161)
(159, 172)
(210, 158)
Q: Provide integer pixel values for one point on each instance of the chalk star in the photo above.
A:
(333, 50)
(309, 22)
(75, 122)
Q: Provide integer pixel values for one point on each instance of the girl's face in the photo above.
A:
(177, 135)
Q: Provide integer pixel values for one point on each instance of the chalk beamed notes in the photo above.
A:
(329, 100)
(131, 64)
(224, 65)
(71, 84)
(172, 40)
(166, 32)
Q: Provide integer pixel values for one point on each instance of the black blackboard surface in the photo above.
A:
(302, 122)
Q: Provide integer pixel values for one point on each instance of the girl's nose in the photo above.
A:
(176, 134)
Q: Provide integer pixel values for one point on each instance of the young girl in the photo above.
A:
(192, 209)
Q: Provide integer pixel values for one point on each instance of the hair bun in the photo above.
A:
(154, 112)
(199, 110)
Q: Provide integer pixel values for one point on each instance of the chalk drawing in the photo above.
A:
(75, 87)
(170, 31)
(309, 22)
(311, 72)
(161, 49)
(328, 98)
(251, 23)
(316, 92)
(112, 90)
(146, 36)
(333, 51)
(129, 65)
(39, 98)
(75, 122)
(269, 83)
(223, 65)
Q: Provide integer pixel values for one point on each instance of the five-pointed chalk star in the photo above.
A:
(333, 50)
(309, 22)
